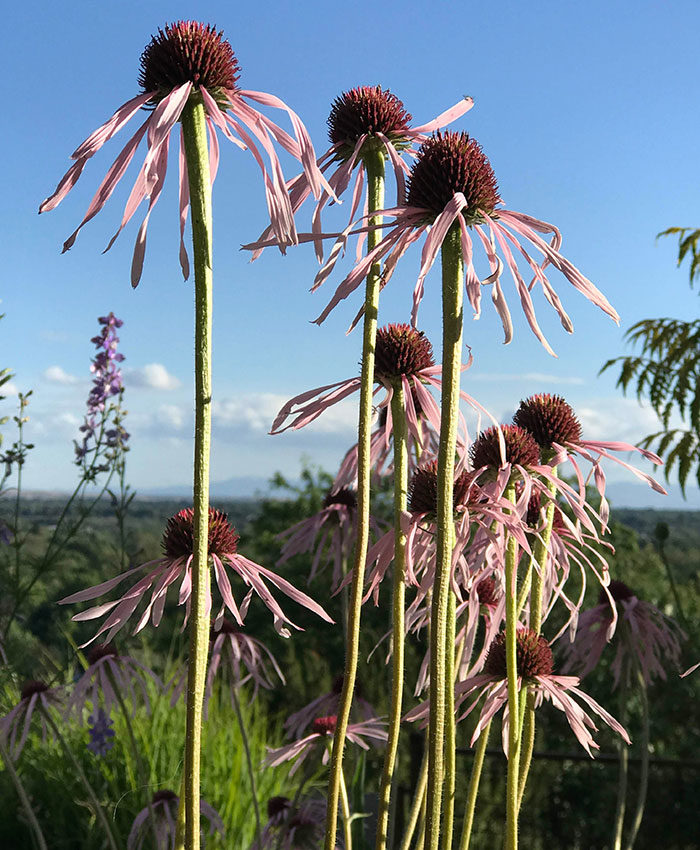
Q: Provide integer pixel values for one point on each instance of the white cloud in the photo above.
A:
(58, 375)
(539, 377)
(9, 389)
(152, 376)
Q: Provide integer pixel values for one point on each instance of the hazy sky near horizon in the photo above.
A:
(583, 110)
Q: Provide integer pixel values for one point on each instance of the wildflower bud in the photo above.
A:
(401, 350)
(178, 540)
(325, 725)
(533, 656)
(549, 419)
(520, 448)
(188, 52)
(366, 111)
(448, 163)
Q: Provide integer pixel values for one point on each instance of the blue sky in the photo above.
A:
(583, 110)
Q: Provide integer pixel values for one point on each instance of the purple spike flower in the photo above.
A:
(190, 60)
(101, 733)
(175, 566)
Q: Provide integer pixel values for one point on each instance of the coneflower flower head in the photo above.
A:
(32, 687)
(423, 489)
(549, 419)
(520, 449)
(163, 809)
(618, 590)
(178, 539)
(344, 496)
(401, 350)
(188, 52)
(486, 591)
(533, 654)
(367, 111)
(325, 725)
(277, 806)
(448, 163)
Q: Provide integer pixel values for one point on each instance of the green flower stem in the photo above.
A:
(452, 273)
(513, 702)
(452, 654)
(644, 767)
(22, 794)
(418, 803)
(536, 573)
(473, 789)
(99, 811)
(249, 762)
(374, 164)
(144, 775)
(197, 157)
(623, 762)
(399, 428)
(345, 807)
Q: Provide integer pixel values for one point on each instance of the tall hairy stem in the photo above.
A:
(23, 797)
(398, 419)
(620, 802)
(537, 568)
(441, 642)
(473, 788)
(197, 156)
(513, 701)
(374, 164)
(644, 767)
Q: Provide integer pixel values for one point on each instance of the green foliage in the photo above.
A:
(667, 373)
(688, 240)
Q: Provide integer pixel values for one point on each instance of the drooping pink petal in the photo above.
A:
(443, 119)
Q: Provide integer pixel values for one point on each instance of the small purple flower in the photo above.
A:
(164, 806)
(101, 733)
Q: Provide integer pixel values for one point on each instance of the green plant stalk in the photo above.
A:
(374, 164)
(513, 702)
(452, 654)
(345, 807)
(452, 297)
(197, 157)
(99, 811)
(644, 765)
(145, 776)
(623, 762)
(249, 762)
(399, 428)
(536, 573)
(473, 788)
(22, 794)
(674, 587)
(418, 803)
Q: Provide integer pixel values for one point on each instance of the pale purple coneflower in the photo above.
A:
(36, 698)
(452, 182)
(108, 676)
(553, 424)
(292, 826)
(535, 667)
(327, 705)
(163, 808)
(645, 638)
(362, 120)
(246, 659)
(322, 736)
(176, 566)
(188, 61)
(329, 534)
